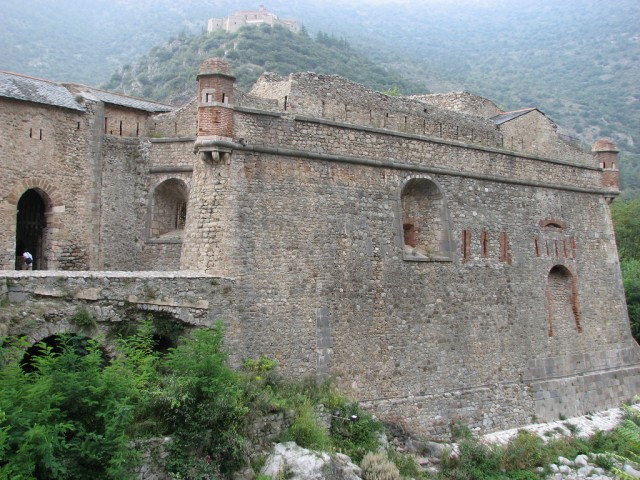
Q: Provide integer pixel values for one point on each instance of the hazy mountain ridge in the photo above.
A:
(577, 60)
(167, 73)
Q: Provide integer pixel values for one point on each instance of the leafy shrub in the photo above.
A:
(474, 460)
(525, 451)
(202, 403)
(376, 466)
(67, 417)
(406, 464)
(354, 437)
(306, 431)
(82, 318)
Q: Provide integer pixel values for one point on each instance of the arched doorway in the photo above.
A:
(30, 225)
(169, 208)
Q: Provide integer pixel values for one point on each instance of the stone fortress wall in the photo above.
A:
(398, 245)
(243, 18)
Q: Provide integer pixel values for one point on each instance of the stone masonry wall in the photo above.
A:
(316, 234)
(125, 193)
(50, 150)
(125, 122)
(459, 117)
(181, 123)
(464, 102)
(535, 133)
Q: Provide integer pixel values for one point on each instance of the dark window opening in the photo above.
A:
(181, 215)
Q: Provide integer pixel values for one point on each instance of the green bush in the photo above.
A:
(354, 437)
(406, 464)
(525, 451)
(306, 431)
(82, 318)
(202, 403)
(66, 419)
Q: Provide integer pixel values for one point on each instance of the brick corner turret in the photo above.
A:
(605, 153)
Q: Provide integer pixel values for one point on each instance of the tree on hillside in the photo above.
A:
(626, 220)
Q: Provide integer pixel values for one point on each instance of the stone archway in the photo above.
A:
(30, 228)
(168, 210)
(26, 192)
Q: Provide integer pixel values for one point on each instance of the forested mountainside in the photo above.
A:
(577, 60)
(168, 72)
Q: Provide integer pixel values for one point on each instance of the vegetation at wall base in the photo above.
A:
(73, 415)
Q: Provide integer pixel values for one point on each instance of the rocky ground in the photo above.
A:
(581, 467)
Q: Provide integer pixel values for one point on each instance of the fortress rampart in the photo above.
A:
(402, 247)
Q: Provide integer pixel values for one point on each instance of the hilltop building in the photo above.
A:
(440, 258)
(243, 18)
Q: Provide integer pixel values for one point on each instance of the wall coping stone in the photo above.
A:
(172, 139)
(257, 111)
(106, 274)
(171, 169)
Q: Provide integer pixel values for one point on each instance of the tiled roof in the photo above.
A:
(21, 87)
(506, 116)
(130, 102)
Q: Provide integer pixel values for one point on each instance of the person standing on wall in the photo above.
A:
(27, 260)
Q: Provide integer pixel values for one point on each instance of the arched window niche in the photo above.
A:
(563, 308)
(168, 209)
(425, 222)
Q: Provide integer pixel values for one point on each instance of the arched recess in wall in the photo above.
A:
(42, 249)
(168, 211)
(563, 309)
(31, 227)
(425, 221)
